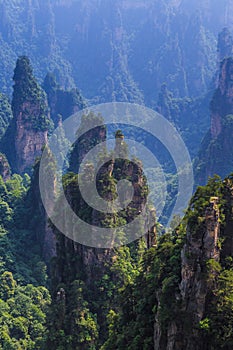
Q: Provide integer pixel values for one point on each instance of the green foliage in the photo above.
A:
(158, 272)
(22, 314)
(50, 85)
(90, 133)
(23, 306)
(158, 277)
(83, 324)
(73, 325)
(19, 249)
(213, 269)
(5, 113)
(28, 97)
(8, 284)
(201, 199)
(123, 267)
(189, 115)
(217, 326)
(63, 103)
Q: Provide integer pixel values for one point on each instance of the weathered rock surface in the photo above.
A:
(28, 141)
(5, 171)
(201, 245)
(108, 175)
(215, 156)
(222, 102)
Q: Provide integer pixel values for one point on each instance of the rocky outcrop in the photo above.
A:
(108, 175)
(27, 133)
(86, 140)
(62, 103)
(215, 155)
(132, 43)
(201, 246)
(37, 218)
(91, 263)
(49, 242)
(5, 171)
(28, 141)
(227, 245)
(225, 44)
(222, 102)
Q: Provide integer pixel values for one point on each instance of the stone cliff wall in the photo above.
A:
(28, 141)
(222, 102)
(106, 178)
(200, 246)
(5, 171)
(215, 155)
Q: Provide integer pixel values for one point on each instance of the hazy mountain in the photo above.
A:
(105, 45)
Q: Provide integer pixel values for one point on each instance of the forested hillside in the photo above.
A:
(100, 47)
(168, 286)
(116, 49)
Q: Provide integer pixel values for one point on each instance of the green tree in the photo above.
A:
(28, 96)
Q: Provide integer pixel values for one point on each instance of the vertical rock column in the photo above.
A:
(31, 119)
(200, 247)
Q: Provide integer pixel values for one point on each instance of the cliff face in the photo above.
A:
(95, 135)
(27, 132)
(201, 315)
(157, 34)
(5, 171)
(200, 246)
(23, 143)
(222, 102)
(215, 155)
(43, 229)
(194, 287)
(225, 44)
(107, 177)
(62, 103)
(28, 141)
(93, 265)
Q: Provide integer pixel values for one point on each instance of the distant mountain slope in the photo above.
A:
(215, 155)
(115, 49)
